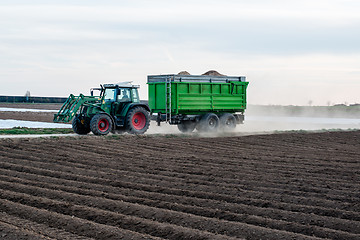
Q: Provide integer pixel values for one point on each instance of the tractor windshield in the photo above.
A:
(109, 94)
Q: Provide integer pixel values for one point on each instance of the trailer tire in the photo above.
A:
(80, 126)
(101, 124)
(137, 120)
(186, 126)
(208, 123)
(227, 122)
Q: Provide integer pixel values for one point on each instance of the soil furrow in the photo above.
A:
(320, 210)
(115, 206)
(189, 205)
(237, 230)
(141, 179)
(189, 186)
(190, 170)
(41, 229)
(228, 199)
(245, 185)
(69, 223)
(299, 165)
(280, 186)
(123, 149)
(12, 232)
(293, 206)
(136, 171)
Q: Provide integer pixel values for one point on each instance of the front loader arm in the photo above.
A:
(71, 107)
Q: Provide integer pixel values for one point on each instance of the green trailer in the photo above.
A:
(207, 103)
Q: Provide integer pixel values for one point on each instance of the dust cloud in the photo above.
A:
(164, 128)
(270, 119)
(284, 118)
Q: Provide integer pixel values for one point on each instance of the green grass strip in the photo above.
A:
(25, 130)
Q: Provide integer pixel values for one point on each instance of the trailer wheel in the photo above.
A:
(80, 126)
(186, 126)
(227, 122)
(208, 123)
(101, 124)
(137, 120)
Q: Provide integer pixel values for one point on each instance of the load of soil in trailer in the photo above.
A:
(213, 73)
(209, 73)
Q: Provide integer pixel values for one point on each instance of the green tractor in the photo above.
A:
(118, 108)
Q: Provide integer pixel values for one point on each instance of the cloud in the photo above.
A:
(276, 27)
(279, 44)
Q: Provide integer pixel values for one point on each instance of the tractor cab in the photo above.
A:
(118, 98)
(121, 92)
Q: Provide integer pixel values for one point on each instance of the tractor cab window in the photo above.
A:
(135, 95)
(124, 95)
(109, 94)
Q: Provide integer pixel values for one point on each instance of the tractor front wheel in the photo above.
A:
(101, 124)
(80, 126)
(137, 120)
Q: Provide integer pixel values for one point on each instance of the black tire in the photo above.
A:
(227, 122)
(80, 126)
(186, 126)
(208, 123)
(101, 124)
(137, 120)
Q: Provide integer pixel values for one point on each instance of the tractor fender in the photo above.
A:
(140, 105)
(132, 105)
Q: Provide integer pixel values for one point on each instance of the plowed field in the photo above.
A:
(281, 186)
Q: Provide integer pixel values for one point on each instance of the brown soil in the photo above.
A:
(29, 116)
(281, 186)
(49, 106)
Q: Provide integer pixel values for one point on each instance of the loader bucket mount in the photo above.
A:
(71, 107)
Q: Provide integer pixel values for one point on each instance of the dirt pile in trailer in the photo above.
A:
(281, 186)
(184, 73)
(208, 73)
(213, 73)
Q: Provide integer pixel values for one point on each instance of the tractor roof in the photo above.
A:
(121, 84)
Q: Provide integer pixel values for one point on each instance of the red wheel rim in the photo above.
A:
(138, 121)
(103, 125)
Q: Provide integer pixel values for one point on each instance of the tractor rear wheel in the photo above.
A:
(208, 123)
(186, 126)
(137, 120)
(101, 124)
(227, 122)
(80, 126)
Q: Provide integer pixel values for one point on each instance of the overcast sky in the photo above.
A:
(292, 52)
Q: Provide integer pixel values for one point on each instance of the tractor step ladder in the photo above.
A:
(168, 99)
